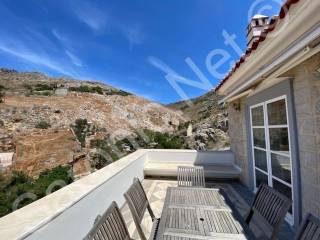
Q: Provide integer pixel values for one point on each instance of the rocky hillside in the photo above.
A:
(207, 122)
(48, 121)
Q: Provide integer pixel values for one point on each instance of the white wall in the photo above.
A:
(76, 221)
(190, 156)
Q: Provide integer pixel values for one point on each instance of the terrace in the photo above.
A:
(70, 212)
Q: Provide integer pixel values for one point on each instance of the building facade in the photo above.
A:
(273, 96)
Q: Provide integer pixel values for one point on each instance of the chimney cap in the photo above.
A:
(258, 16)
(255, 18)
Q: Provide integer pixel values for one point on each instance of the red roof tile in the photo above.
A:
(271, 26)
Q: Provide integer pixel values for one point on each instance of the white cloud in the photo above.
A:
(92, 16)
(27, 51)
(59, 36)
(75, 60)
(98, 21)
(23, 40)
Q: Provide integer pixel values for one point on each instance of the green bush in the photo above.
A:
(101, 159)
(165, 141)
(19, 183)
(184, 125)
(43, 125)
(80, 129)
(117, 92)
(44, 87)
(2, 93)
(105, 149)
(88, 89)
(97, 90)
(48, 177)
(159, 140)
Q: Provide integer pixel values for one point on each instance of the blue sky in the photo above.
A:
(129, 44)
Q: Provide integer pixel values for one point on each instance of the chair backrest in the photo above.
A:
(269, 208)
(309, 228)
(191, 176)
(138, 203)
(110, 226)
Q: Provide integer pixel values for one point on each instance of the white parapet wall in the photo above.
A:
(193, 157)
(69, 213)
(217, 164)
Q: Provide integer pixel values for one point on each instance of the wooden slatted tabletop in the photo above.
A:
(200, 213)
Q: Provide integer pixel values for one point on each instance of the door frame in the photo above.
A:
(268, 151)
(282, 89)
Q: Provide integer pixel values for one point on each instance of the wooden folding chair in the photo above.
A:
(269, 208)
(191, 176)
(110, 226)
(309, 229)
(138, 203)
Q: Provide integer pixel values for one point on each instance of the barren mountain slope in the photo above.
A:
(111, 108)
(119, 115)
(39, 117)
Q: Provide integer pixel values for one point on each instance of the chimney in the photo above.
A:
(255, 28)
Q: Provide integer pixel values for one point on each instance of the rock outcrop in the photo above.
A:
(209, 122)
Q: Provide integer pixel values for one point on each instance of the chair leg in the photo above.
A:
(249, 217)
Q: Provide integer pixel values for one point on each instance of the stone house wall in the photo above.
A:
(306, 94)
(238, 137)
(306, 90)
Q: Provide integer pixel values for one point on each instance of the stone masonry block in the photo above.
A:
(307, 143)
(306, 125)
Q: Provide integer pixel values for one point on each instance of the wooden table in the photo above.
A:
(200, 213)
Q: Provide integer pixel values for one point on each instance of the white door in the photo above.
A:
(271, 146)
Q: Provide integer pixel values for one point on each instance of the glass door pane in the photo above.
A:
(259, 139)
(261, 178)
(260, 158)
(284, 189)
(279, 140)
(277, 114)
(281, 167)
(257, 116)
(278, 132)
(279, 148)
(259, 144)
(271, 146)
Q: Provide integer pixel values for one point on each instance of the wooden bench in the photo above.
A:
(216, 164)
(213, 171)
